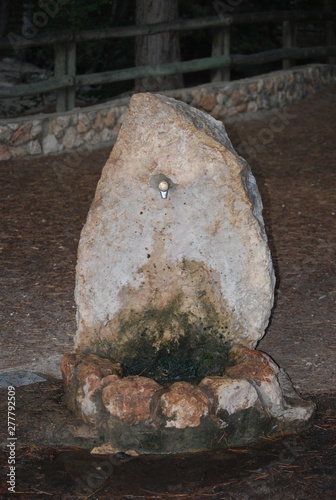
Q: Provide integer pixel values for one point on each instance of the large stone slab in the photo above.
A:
(166, 286)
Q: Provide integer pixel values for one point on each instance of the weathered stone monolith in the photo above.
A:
(174, 289)
(169, 285)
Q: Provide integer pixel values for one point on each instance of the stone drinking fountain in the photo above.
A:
(174, 289)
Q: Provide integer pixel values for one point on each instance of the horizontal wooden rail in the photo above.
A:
(279, 54)
(37, 88)
(21, 42)
(159, 70)
(167, 69)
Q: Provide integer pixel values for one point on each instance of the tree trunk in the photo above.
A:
(4, 13)
(330, 5)
(158, 49)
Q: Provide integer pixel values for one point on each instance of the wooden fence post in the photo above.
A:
(60, 69)
(71, 67)
(288, 41)
(65, 64)
(221, 47)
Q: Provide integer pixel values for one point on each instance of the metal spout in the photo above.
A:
(163, 187)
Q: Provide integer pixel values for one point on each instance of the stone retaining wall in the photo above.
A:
(98, 126)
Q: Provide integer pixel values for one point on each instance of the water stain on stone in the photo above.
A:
(180, 330)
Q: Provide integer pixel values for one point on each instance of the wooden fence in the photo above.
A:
(66, 80)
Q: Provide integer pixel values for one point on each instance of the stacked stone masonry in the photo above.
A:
(140, 414)
(98, 126)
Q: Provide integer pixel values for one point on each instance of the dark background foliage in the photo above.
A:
(107, 55)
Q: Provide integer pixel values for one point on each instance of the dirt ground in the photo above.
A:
(44, 203)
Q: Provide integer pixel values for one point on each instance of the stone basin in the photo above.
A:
(253, 398)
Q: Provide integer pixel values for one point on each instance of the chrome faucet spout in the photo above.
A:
(163, 187)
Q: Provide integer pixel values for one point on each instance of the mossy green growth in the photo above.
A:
(185, 338)
(167, 345)
(192, 358)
